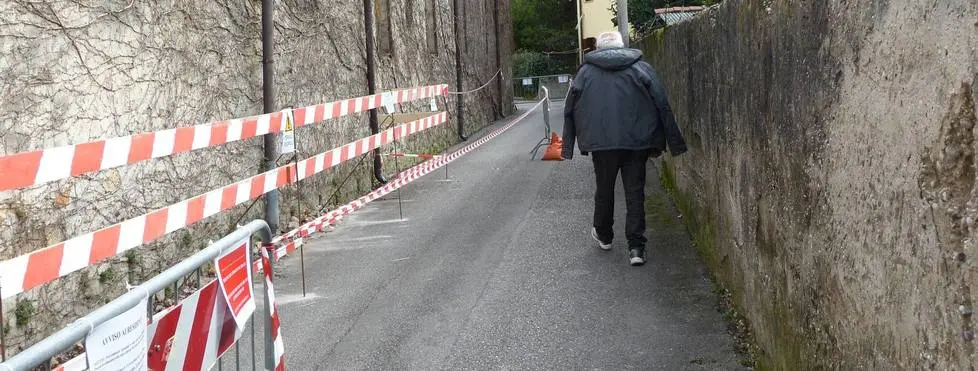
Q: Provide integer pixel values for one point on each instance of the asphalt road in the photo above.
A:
(494, 269)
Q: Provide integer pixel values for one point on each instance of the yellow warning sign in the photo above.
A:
(288, 135)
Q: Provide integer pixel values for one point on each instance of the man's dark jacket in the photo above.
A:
(617, 102)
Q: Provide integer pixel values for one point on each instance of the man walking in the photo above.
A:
(618, 112)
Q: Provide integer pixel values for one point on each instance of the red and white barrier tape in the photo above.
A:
(409, 175)
(279, 345)
(288, 248)
(42, 266)
(320, 112)
(280, 252)
(38, 167)
(322, 161)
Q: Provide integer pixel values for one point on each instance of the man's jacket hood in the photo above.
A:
(613, 59)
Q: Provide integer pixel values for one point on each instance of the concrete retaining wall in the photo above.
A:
(831, 177)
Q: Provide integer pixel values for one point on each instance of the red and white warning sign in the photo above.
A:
(193, 334)
(234, 277)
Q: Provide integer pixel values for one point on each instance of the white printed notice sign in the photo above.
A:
(119, 344)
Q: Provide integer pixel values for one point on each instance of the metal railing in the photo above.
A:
(40, 354)
(528, 88)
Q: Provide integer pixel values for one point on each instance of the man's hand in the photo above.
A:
(653, 154)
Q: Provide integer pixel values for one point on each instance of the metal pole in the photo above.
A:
(623, 21)
(302, 263)
(253, 362)
(368, 25)
(268, 98)
(3, 330)
(400, 205)
(499, 59)
(580, 34)
(269, 340)
(546, 109)
(397, 165)
(458, 74)
(298, 207)
(151, 305)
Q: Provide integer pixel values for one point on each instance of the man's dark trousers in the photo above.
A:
(631, 165)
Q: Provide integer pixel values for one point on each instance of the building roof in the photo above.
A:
(680, 9)
(670, 16)
(678, 17)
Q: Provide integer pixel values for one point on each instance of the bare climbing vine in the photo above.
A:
(81, 70)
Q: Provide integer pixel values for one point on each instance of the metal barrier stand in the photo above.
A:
(546, 122)
(42, 352)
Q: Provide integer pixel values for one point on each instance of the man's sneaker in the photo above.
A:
(636, 257)
(601, 245)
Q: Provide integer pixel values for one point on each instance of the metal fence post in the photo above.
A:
(3, 329)
(269, 336)
(270, 141)
(546, 109)
(253, 363)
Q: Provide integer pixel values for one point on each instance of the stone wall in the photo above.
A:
(72, 72)
(830, 181)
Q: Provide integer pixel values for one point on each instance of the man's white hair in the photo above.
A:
(610, 40)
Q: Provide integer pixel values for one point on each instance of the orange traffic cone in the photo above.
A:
(553, 150)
